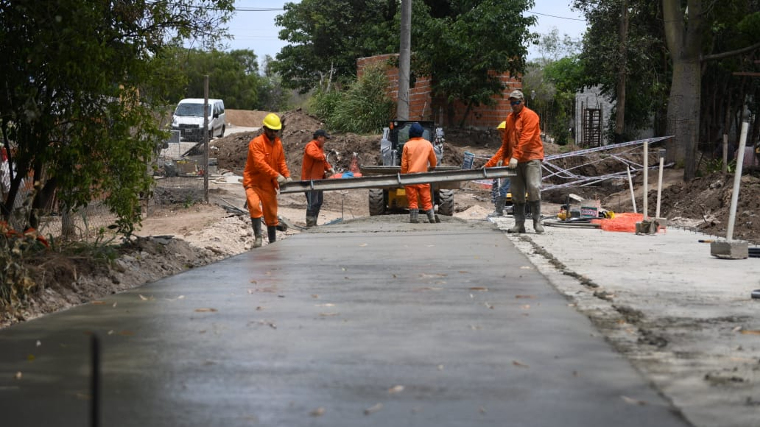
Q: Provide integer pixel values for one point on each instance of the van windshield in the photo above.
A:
(194, 110)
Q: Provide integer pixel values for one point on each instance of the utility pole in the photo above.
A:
(206, 136)
(622, 53)
(404, 61)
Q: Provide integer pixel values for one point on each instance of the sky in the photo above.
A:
(253, 24)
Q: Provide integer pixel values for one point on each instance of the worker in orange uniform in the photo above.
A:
(265, 170)
(315, 166)
(418, 156)
(523, 150)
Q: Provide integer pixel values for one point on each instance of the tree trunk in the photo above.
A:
(683, 115)
(755, 126)
(466, 113)
(685, 90)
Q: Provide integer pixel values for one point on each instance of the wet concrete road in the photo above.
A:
(359, 324)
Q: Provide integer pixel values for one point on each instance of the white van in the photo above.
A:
(188, 118)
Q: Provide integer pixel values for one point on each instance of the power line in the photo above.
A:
(274, 9)
(256, 9)
(558, 17)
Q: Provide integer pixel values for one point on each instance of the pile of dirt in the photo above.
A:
(245, 118)
(298, 129)
(709, 199)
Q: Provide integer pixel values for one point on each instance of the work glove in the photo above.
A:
(288, 179)
(281, 179)
(499, 163)
(512, 163)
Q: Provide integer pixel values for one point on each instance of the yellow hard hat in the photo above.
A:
(272, 121)
(502, 125)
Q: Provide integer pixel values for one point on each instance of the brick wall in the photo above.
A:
(423, 107)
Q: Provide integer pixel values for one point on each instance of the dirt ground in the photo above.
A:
(171, 240)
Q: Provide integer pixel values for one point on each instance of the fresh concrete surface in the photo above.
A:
(684, 318)
(368, 323)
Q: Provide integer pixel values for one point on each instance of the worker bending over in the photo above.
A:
(265, 170)
(315, 166)
(418, 156)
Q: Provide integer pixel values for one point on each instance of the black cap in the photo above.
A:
(321, 132)
(416, 130)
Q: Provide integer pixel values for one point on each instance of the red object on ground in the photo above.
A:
(623, 222)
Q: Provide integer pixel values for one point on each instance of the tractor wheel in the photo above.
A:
(446, 202)
(376, 201)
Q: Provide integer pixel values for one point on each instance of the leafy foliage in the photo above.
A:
(233, 76)
(327, 36)
(646, 64)
(466, 50)
(551, 82)
(83, 83)
(16, 282)
(363, 108)
(462, 44)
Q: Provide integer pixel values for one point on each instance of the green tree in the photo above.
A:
(550, 83)
(233, 76)
(462, 44)
(82, 81)
(327, 36)
(686, 31)
(467, 50)
(647, 72)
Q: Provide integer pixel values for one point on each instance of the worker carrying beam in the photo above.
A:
(418, 156)
(523, 150)
(315, 166)
(265, 170)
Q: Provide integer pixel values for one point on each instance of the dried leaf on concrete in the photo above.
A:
(633, 401)
(396, 389)
(373, 409)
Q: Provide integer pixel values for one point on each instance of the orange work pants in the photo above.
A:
(262, 202)
(423, 192)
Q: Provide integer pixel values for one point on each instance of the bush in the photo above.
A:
(323, 104)
(16, 281)
(363, 108)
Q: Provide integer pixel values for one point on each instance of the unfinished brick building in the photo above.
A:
(422, 106)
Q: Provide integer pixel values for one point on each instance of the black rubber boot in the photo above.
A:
(498, 207)
(519, 215)
(431, 216)
(535, 210)
(414, 216)
(272, 233)
(257, 240)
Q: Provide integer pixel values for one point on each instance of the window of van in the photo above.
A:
(189, 110)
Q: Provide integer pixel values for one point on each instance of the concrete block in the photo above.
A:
(646, 227)
(729, 250)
